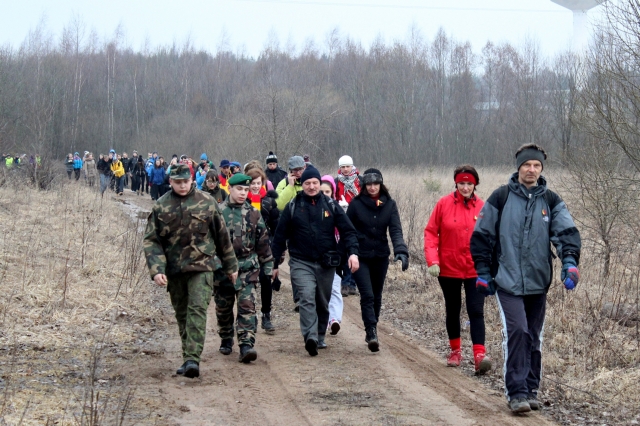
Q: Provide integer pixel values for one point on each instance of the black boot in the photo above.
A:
(372, 339)
(225, 346)
(266, 323)
(247, 354)
(191, 369)
(180, 371)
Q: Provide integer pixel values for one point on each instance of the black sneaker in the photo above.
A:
(353, 290)
(344, 290)
(266, 323)
(335, 327)
(372, 339)
(311, 346)
(247, 354)
(321, 343)
(533, 402)
(180, 371)
(191, 369)
(226, 346)
(519, 405)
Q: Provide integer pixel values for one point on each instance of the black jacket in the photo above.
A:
(372, 221)
(311, 231)
(275, 176)
(104, 167)
(270, 212)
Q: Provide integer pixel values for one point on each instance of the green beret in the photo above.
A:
(239, 179)
(181, 171)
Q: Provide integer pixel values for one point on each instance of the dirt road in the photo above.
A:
(345, 384)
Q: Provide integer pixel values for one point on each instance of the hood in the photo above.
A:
(516, 187)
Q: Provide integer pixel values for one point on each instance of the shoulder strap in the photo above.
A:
(553, 200)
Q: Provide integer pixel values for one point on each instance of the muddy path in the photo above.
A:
(345, 384)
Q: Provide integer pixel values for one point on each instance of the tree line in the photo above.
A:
(410, 102)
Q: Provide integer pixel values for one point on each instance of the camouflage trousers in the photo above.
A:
(190, 296)
(225, 295)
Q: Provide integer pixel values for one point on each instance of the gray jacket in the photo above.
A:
(519, 238)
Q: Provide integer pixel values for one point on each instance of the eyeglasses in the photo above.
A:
(297, 170)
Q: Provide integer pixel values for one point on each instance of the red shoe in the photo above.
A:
(454, 359)
(483, 363)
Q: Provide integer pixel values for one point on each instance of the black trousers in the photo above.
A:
(266, 293)
(155, 192)
(370, 281)
(135, 182)
(451, 289)
(523, 322)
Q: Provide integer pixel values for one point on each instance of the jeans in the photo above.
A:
(336, 303)
(104, 182)
(118, 184)
(347, 276)
(370, 281)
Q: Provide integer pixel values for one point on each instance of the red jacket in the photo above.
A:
(340, 190)
(448, 234)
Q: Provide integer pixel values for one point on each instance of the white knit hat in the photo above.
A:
(345, 160)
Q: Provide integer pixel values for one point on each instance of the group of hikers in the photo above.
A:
(18, 160)
(224, 233)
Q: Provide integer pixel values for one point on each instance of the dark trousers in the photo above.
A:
(370, 281)
(125, 180)
(135, 182)
(522, 322)
(155, 191)
(77, 173)
(451, 289)
(266, 293)
(347, 276)
(69, 173)
(143, 180)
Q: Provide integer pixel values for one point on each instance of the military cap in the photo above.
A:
(181, 171)
(239, 179)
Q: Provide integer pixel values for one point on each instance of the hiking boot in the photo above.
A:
(226, 346)
(334, 326)
(372, 339)
(454, 359)
(353, 291)
(344, 290)
(519, 405)
(311, 346)
(533, 401)
(266, 323)
(247, 354)
(322, 344)
(191, 369)
(482, 363)
(180, 371)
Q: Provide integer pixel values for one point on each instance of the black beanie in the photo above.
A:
(529, 154)
(271, 158)
(309, 173)
(372, 176)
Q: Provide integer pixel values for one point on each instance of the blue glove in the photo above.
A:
(404, 259)
(485, 285)
(570, 275)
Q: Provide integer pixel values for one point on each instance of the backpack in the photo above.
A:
(552, 200)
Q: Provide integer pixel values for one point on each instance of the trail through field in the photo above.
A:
(345, 384)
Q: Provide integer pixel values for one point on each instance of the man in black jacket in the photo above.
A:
(274, 172)
(308, 224)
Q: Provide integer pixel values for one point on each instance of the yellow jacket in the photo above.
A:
(117, 168)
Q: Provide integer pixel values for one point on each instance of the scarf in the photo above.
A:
(349, 181)
(255, 199)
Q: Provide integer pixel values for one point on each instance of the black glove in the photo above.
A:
(275, 284)
(404, 259)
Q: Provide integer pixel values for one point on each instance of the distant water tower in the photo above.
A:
(580, 22)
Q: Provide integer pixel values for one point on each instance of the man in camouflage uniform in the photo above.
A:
(185, 243)
(251, 245)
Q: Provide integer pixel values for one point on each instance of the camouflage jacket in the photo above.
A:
(187, 234)
(249, 236)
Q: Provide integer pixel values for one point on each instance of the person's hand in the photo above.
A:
(343, 203)
(292, 180)
(274, 274)
(353, 263)
(404, 259)
(160, 279)
(570, 274)
(434, 270)
(485, 285)
(233, 277)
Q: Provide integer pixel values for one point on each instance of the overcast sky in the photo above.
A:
(248, 23)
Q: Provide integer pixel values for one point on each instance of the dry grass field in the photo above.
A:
(74, 309)
(591, 363)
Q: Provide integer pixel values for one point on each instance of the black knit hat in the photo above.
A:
(372, 176)
(310, 173)
(271, 158)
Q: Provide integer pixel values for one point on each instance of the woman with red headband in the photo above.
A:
(446, 248)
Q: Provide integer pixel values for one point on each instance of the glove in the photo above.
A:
(434, 270)
(404, 259)
(570, 274)
(275, 284)
(485, 285)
